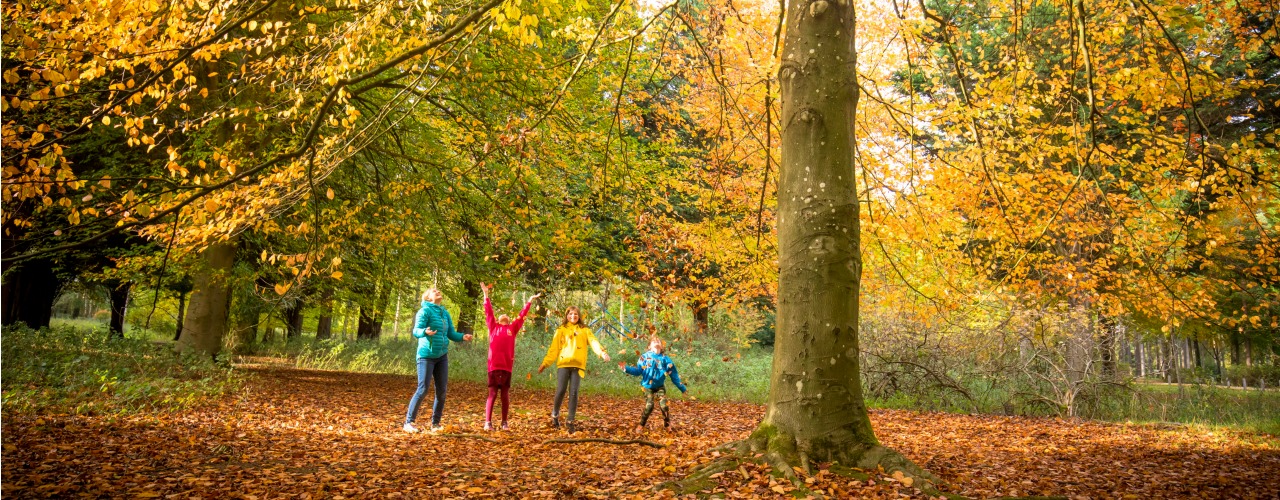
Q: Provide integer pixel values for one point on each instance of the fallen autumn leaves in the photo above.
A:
(307, 434)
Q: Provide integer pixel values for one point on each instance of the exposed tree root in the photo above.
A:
(783, 457)
(607, 441)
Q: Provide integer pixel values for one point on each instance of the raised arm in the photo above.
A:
(518, 323)
(489, 320)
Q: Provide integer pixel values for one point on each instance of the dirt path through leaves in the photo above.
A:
(310, 434)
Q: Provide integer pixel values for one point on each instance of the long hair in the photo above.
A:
(576, 310)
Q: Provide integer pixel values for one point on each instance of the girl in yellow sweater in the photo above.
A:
(569, 353)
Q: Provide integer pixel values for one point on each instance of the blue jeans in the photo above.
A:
(430, 368)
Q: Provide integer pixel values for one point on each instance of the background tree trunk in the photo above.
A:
(29, 292)
(324, 325)
(701, 316)
(119, 293)
(467, 306)
(206, 320)
(1107, 347)
(370, 327)
(293, 320)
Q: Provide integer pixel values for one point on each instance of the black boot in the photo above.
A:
(569, 426)
(555, 422)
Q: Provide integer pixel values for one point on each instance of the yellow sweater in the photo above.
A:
(569, 348)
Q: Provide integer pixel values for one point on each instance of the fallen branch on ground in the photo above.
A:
(608, 441)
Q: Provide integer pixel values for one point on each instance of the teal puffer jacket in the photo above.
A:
(437, 318)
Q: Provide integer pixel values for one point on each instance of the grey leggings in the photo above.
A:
(567, 378)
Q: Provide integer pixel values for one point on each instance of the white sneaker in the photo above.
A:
(436, 428)
(410, 428)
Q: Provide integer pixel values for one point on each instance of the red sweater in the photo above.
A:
(502, 338)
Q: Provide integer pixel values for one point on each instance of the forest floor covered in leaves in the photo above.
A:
(327, 434)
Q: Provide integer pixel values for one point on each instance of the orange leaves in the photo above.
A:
(322, 433)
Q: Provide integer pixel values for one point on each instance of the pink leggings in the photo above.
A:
(499, 382)
(488, 404)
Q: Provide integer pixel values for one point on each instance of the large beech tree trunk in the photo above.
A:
(206, 320)
(815, 393)
(816, 412)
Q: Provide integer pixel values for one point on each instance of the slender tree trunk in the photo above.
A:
(815, 406)
(1235, 349)
(182, 312)
(324, 325)
(1141, 361)
(1107, 346)
(467, 306)
(395, 328)
(293, 320)
(206, 320)
(346, 316)
(1195, 347)
(370, 326)
(119, 304)
(1217, 359)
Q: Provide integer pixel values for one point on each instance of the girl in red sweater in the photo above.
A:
(502, 352)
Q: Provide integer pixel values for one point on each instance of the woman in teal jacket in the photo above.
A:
(433, 328)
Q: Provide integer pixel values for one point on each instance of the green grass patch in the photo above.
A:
(65, 369)
(1199, 404)
(708, 371)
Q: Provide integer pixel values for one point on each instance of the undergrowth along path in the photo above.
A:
(308, 433)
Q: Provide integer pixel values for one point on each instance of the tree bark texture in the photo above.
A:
(815, 407)
(206, 320)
